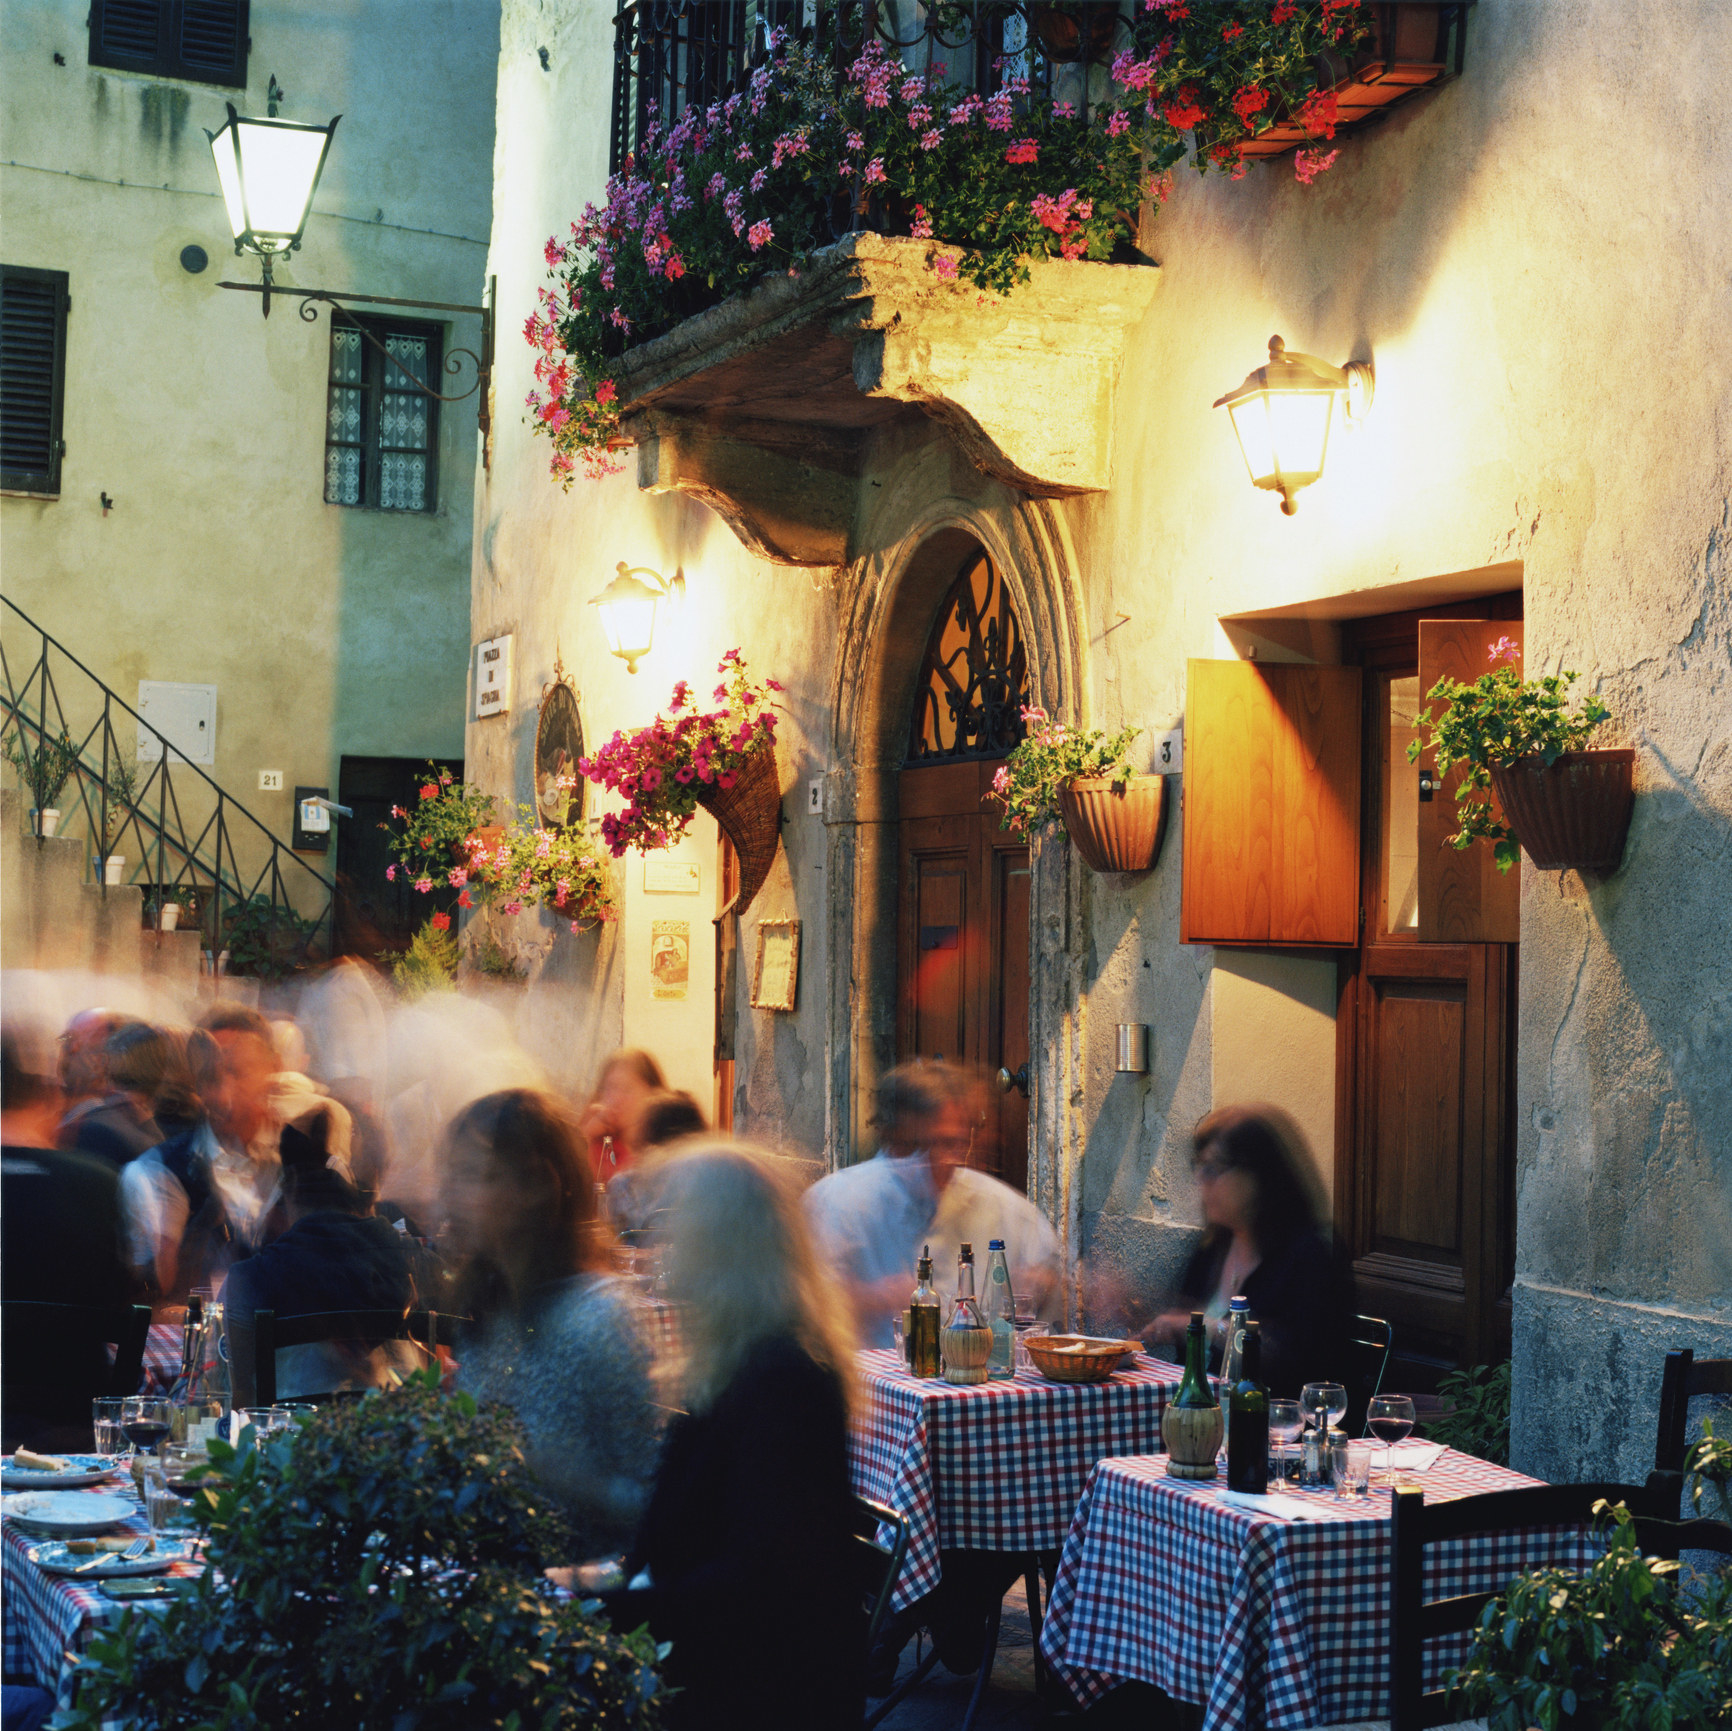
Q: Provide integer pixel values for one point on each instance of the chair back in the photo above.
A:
(254, 1345)
(1370, 1342)
(53, 1347)
(877, 1558)
(1667, 1538)
(1684, 1376)
(1416, 1524)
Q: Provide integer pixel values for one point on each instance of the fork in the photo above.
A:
(131, 1554)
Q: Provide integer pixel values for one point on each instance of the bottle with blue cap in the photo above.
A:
(1000, 1312)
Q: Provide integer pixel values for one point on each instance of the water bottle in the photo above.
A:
(1233, 1346)
(1000, 1312)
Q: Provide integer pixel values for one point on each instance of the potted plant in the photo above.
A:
(266, 940)
(1082, 785)
(380, 1564)
(1708, 1472)
(122, 791)
(43, 771)
(723, 759)
(1569, 807)
(1619, 1644)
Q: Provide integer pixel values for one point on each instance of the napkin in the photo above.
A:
(1413, 1457)
(1274, 1505)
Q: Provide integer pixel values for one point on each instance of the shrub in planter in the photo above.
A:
(379, 1567)
(1477, 1420)
(267, 941)
(43, 769)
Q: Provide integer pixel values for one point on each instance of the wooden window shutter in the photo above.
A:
(1271, 813)
(33, 308)
(1463, 897)
(203, 41)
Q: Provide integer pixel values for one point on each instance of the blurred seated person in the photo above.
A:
(83, 1063)
(1266, 1236)
(628, 1078)
(665, 1118)
(143, 1063)
(204, 1198)
(873, 1219)
(336, 1254)
(60, 1243)
(747, 1529)
(552, 1333)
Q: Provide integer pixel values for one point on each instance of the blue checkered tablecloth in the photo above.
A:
(997, 1466)
(46, 1618)
(1269, 1623)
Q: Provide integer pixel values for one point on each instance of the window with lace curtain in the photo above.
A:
(381, 433)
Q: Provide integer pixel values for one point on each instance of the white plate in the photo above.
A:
(57, 1560)
(66, 1514)
(81, 1470)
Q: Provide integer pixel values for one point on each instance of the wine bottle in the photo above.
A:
(1248, 1420)
(923, 1320)
(1191, 1421)
(1000, 1312)
(967, 1339)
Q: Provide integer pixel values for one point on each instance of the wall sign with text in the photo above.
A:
(492, 677)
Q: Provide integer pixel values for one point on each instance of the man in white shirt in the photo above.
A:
(873, 1219)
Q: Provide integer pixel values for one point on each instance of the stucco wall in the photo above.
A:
(325, 629)
(1533, 258)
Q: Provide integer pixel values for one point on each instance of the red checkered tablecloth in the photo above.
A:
(997, 1466)
(48, 1617)
(162, 1352)
(1268, 1622)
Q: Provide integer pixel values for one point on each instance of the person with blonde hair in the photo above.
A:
(746, 1537)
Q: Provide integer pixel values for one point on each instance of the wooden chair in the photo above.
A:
(1660, 1538)
(1371, 1341)
(1682, 1379)
(48, 1345)
(253, 1348)
(1416, 1524)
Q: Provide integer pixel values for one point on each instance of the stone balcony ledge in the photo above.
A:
(764, 406)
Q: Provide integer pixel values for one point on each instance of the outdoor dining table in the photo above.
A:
(1266, 1622)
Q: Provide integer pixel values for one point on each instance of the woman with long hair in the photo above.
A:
(628, 1078)
(1266, 1237)
(746, 1538)
(551, 1333)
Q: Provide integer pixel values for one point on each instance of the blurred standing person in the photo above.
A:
(553, 1334)
(1266, 1236)
(196, 1202)
(747, 1529)
(628, 1078)
(873, 1218)
(84, 1066)
(143, 1063)
(632, 1196)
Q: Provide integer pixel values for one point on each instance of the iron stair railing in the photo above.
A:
(279, 917)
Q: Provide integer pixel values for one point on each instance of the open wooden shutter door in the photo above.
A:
(1271, 812)
(1463, 897)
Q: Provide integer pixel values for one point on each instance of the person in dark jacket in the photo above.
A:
(335, 1255)
(746, 1537)
(143, 1063)
(1267, 1237)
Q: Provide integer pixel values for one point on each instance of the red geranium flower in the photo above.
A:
(430, 791)
(442, 922)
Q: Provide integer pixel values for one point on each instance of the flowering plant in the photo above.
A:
(431, 843)
(1497, 719)
(665, 769)
(1049, 757)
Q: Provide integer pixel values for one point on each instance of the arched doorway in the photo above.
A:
(963, 882)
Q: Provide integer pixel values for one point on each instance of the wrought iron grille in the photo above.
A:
(974, 680)
(670, 54)
(279, 909)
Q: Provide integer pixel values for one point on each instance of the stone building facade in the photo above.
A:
(1530, 258)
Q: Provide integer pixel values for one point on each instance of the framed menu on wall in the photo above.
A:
(776, 976)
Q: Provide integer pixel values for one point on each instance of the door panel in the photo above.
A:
(1010, 1013)
(943, 947)
(1419, 1044)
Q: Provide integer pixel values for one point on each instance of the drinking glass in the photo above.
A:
(105, 1424)
(1389, 1418)
(899, 1334)
(266, 1422)
(1352, 1464)
(145, 1420)
(1286, 1423)
(161, 1505)
(1024, 1327)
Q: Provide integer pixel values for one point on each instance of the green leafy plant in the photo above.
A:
(1478, 1420)
(45, 768)
(267, 939)
(430, 962)
(122, 791)
(429, 841)
(1617, 1645)
(378, 1568)
(1498, 719)
(1047, 759)
(1708, 1472)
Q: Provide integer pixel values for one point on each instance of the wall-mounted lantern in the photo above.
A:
(1282, 413)
(628, 610)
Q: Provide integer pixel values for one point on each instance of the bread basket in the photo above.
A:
(1077, 1357)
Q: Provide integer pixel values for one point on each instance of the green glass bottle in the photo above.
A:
(923, 1320)
(1248, 1420)
(1191, 1422)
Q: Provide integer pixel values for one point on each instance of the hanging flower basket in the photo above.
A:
(1572, 813)
(1117, 826)
(749, 814)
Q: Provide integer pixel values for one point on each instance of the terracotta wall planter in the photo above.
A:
(750, 815)
(1116, 826)
(1574, 813)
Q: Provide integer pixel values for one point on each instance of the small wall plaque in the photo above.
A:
(672, 877)
(492, 677)
(776, 978)
(670, 958)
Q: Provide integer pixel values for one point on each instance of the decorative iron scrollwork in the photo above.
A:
(974, 680)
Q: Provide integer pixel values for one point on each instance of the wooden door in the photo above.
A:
(963, 964)
(1424, 1191)
(371, 916)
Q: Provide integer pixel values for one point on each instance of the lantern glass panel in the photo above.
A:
(1284, 434)
(629, 623)
(222, 148)
(279, 169)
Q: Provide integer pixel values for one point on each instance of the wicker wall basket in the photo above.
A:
(750, 815)
(1116, 826)
(1573, 813)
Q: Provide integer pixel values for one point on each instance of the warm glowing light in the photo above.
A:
(268, 171)
(628, 611)
(1282, 415)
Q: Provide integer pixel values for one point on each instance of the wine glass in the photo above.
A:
(1286, 1425)
(1324, 1403)
(1389, 1418)
(145, 1420)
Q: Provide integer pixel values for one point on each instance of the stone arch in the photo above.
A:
(893, 595)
